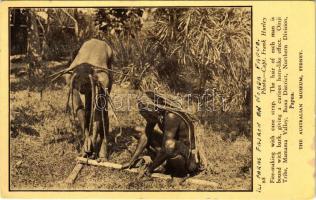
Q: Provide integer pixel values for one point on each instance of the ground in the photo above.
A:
(44, 142)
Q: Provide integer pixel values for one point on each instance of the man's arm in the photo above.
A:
(142, 143)
(171, 126)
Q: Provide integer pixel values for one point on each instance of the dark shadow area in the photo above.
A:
(16, 129)
(21, 84)
(22, 121)
(38, 80)
(230, 125)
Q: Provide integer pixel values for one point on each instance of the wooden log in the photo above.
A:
(154, 175)
(73, 175)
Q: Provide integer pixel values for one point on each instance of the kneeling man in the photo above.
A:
(174, 147)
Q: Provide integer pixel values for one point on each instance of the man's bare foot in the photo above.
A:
(87, 145)
(85, 154)
(144, 174)
(182, 181)
(102, 159)
(93, 156)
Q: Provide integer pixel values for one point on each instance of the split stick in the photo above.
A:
(154, 175)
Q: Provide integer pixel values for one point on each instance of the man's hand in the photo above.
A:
(144, 173)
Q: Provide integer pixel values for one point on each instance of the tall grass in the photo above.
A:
(211, 43)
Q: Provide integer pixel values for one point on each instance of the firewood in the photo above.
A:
(154, 175)
(73, 175)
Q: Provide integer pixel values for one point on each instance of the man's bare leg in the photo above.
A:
(106, 84)
(81, 115)
(104, 135)
(102, 126)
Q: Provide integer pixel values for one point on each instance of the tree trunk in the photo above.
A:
(75, 22)
(34, 49)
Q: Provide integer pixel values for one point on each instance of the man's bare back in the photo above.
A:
(174, 146)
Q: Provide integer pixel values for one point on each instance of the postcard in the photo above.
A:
(157, 99)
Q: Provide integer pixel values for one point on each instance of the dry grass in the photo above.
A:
(37, 161)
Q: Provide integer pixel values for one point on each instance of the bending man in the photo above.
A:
(174, 147)
(89, 77)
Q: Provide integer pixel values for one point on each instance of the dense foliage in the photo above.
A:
(119, 21)
(213, 43)
(182, 49)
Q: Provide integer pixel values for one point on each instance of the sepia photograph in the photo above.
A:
(130, 99)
